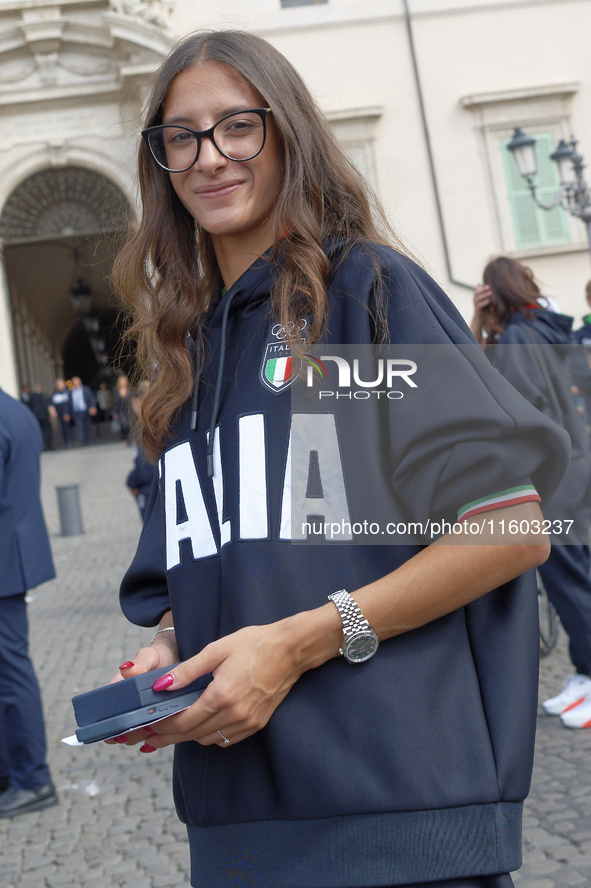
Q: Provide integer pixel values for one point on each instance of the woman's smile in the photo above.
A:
(217, 190)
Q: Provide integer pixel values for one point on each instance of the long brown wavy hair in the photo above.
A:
(167, 275)
(513, 288)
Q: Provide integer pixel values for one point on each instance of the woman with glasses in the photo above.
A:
(357, 727)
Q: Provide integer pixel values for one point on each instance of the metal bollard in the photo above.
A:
(69, 508)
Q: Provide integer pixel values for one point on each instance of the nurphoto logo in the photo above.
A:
(361, 384)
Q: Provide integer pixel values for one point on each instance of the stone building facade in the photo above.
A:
(423, 94)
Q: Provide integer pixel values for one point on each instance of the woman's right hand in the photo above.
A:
(155, 656)
(161, 653)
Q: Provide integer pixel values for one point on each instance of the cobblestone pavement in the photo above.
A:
(115, 826)
(557, 822)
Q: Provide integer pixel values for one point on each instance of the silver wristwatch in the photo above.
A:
(360, 641)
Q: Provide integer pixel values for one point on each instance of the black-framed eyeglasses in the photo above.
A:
(238, 136)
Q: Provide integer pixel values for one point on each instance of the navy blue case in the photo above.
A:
(127, 696)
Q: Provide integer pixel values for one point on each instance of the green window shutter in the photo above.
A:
(533, 226)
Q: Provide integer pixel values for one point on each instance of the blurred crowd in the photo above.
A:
(75, 414)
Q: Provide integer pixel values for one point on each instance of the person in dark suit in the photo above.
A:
(39, 405)
(83, 409)
(25, 556)
(61, 401)
(26, 394)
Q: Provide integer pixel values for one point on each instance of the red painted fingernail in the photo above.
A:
(149, 730)
(147, 747)
(123, 738)
(165, 681)
(127, 665)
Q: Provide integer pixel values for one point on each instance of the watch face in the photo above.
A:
(361, 647)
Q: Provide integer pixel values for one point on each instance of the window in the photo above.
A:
(534, 227)
(355, 129)
(518, 226)
(285, 4)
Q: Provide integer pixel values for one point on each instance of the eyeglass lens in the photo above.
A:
(238, 137)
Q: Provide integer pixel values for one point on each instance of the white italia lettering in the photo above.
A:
(312, 432)
(218, 489)
(312, 439)
(179, 469)
(285, 526)
(254, 523)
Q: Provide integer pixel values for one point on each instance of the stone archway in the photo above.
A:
(72, 85)
(61, 229)
(62, 201)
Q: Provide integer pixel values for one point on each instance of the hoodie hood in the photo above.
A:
(554, 328)
(252, 287)
(244, 297)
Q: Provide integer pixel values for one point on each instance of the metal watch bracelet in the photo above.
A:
(360, 642)
(353, 619)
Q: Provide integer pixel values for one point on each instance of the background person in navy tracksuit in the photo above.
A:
(583, 379)
(532, 348)
(583, 334)
(142, 476)
(25, 557)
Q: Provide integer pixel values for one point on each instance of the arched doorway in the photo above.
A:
(61, 229)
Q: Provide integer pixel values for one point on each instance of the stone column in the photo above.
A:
(8, 370)
(19, 341)
(29, 350)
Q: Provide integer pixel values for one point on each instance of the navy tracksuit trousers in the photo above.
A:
(568, 584)
(22, 731)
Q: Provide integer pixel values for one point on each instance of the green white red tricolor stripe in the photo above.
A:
(278, 371)
(511, 496)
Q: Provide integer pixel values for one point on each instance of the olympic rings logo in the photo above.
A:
(279, 331)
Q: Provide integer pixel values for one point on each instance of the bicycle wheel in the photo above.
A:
(547, 618)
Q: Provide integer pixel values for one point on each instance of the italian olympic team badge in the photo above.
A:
(276, 370)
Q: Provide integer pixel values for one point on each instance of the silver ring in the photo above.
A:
(225, 739)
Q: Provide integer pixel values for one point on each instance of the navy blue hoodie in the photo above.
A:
(582, 365)
(413, 766)
(517, 358)
(583, 334)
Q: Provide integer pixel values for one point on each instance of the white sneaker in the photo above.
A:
(579, 717)
(576, 689)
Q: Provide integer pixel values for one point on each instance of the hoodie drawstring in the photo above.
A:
(195, 405)
(218, 387)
